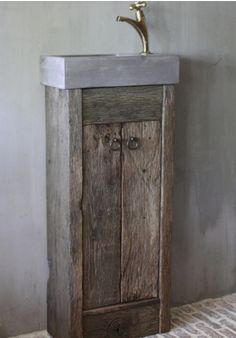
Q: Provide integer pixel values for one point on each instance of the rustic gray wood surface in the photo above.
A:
(109, 105)
(89, 71)
(126, 208)
(140, 211)
(166, 205)
(101, 216)
(133, 320)
(64, 193)
(76, 181)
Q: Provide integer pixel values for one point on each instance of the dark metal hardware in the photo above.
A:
(115, 144)
(133, 143)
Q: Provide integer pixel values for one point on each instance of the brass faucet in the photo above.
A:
(139, 24)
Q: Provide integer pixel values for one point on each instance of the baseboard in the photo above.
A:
(37, 334)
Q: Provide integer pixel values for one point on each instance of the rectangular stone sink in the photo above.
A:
(90, 71)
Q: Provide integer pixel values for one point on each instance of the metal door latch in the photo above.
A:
(115, 144)
(133, 143)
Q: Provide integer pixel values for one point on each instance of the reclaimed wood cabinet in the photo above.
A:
(109, 190)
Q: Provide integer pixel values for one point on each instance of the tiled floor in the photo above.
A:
(214, 318)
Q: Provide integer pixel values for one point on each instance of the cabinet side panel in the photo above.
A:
(76, 181)
(166, 205)
(58, 217)
(140, 211)
(62, 220)
(101, 216)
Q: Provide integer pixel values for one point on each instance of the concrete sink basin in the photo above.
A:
(89, 71)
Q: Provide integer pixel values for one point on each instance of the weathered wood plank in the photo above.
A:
(101, 216)
(64, 193)
(140, 211)
(76, 181)
(57, 212)
(130, 320)
(109, 105)
(166, 206)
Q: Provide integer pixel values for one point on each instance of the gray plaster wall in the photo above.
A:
(204, 229)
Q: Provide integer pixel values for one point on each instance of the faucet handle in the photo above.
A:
(137, 5)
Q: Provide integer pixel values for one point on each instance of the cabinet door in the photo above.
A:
(121, 206)
(140, 210)
(101, 216)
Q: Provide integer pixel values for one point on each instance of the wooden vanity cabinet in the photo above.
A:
(109, 191)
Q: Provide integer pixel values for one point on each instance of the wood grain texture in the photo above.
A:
(126, 207)
(64, 193)
(166, 205)
(140, 211)
(101, 216)
(109, 105)
(76, 181)
(130, 320)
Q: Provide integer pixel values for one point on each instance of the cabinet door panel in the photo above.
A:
(140, 211)
(101, 216)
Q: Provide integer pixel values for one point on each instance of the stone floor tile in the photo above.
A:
(227, 333)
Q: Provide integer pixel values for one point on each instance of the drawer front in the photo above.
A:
(122, 104)
(132, 320)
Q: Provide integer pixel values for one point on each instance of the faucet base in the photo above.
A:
(145, 53)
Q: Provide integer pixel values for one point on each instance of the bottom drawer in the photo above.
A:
(130, 320)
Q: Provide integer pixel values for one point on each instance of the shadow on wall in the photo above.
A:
(3, 333)
(199, 197)
(192, 85)
(16, 314)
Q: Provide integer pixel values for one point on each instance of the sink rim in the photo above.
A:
(118, 55)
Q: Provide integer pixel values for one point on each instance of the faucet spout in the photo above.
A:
(139, 24)
(125, 19)
(120, 18)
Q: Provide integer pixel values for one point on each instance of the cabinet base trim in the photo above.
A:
(130, 320)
